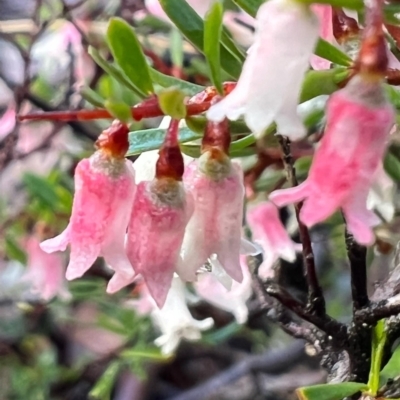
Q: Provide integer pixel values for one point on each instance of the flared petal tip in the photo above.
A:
(57, 243)
(249, 248)
(74, 273)
(119, 281)
(159, 294)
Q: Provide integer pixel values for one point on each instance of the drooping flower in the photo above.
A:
(359, 119)
(269, 232)
(160, 212)
(269, 86)
(232, 299)
(175, 320)
(45, 272)
(104, 191)
(217, 188)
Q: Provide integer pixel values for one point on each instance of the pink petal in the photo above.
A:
(349, 154)
(45, 271)
(268, 230)
(273, 71)
(104, 191)
(8, 121)
(359, 219)
(155, 234)
(215, 227)
(283, 197)
(232, 300)
(58, 243)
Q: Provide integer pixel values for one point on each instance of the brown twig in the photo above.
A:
(316, 301)
(357, 255)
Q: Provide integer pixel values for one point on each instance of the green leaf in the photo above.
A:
(221, 335)
(317, 83)
(42, 189)
(176, 47)
(378, 343)
(103, 387)
(127, 52)
(14, 251)
(330, 52)
(212, 37)
(92, 97)
(113, 71)
(351, 4)
(167, 81)
(152, 139)
(119, 110)
(192, 26)
(171, 102)
(391, 369)
(392, 166)
(336, 391)
(250, 6)
(147, 353)
(393, 94)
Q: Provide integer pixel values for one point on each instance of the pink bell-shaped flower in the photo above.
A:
(104, 191)
(359, 120)
(269, 232)
(232, 299)
(217, 188)
(45, 272)
(269, 86)
(160, 212)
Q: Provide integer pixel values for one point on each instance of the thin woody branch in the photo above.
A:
(316, 301)
(276, 312)
(325, 323)
(357, 255)
(376, 311)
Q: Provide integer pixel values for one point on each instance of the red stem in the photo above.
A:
(138, 112)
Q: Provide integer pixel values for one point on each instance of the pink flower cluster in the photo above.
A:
(170, 224)
(180, 218)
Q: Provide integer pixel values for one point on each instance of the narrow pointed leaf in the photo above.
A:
(152, 139)
(392, 167)
(113, 71)
(336, 391)
(212, 36)
(167, 81)
(330, 52)
(192, 26)
(351, 4)
(391, 369)
(127, 52)
(103, 387)
(92, 97)
(379, 335)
